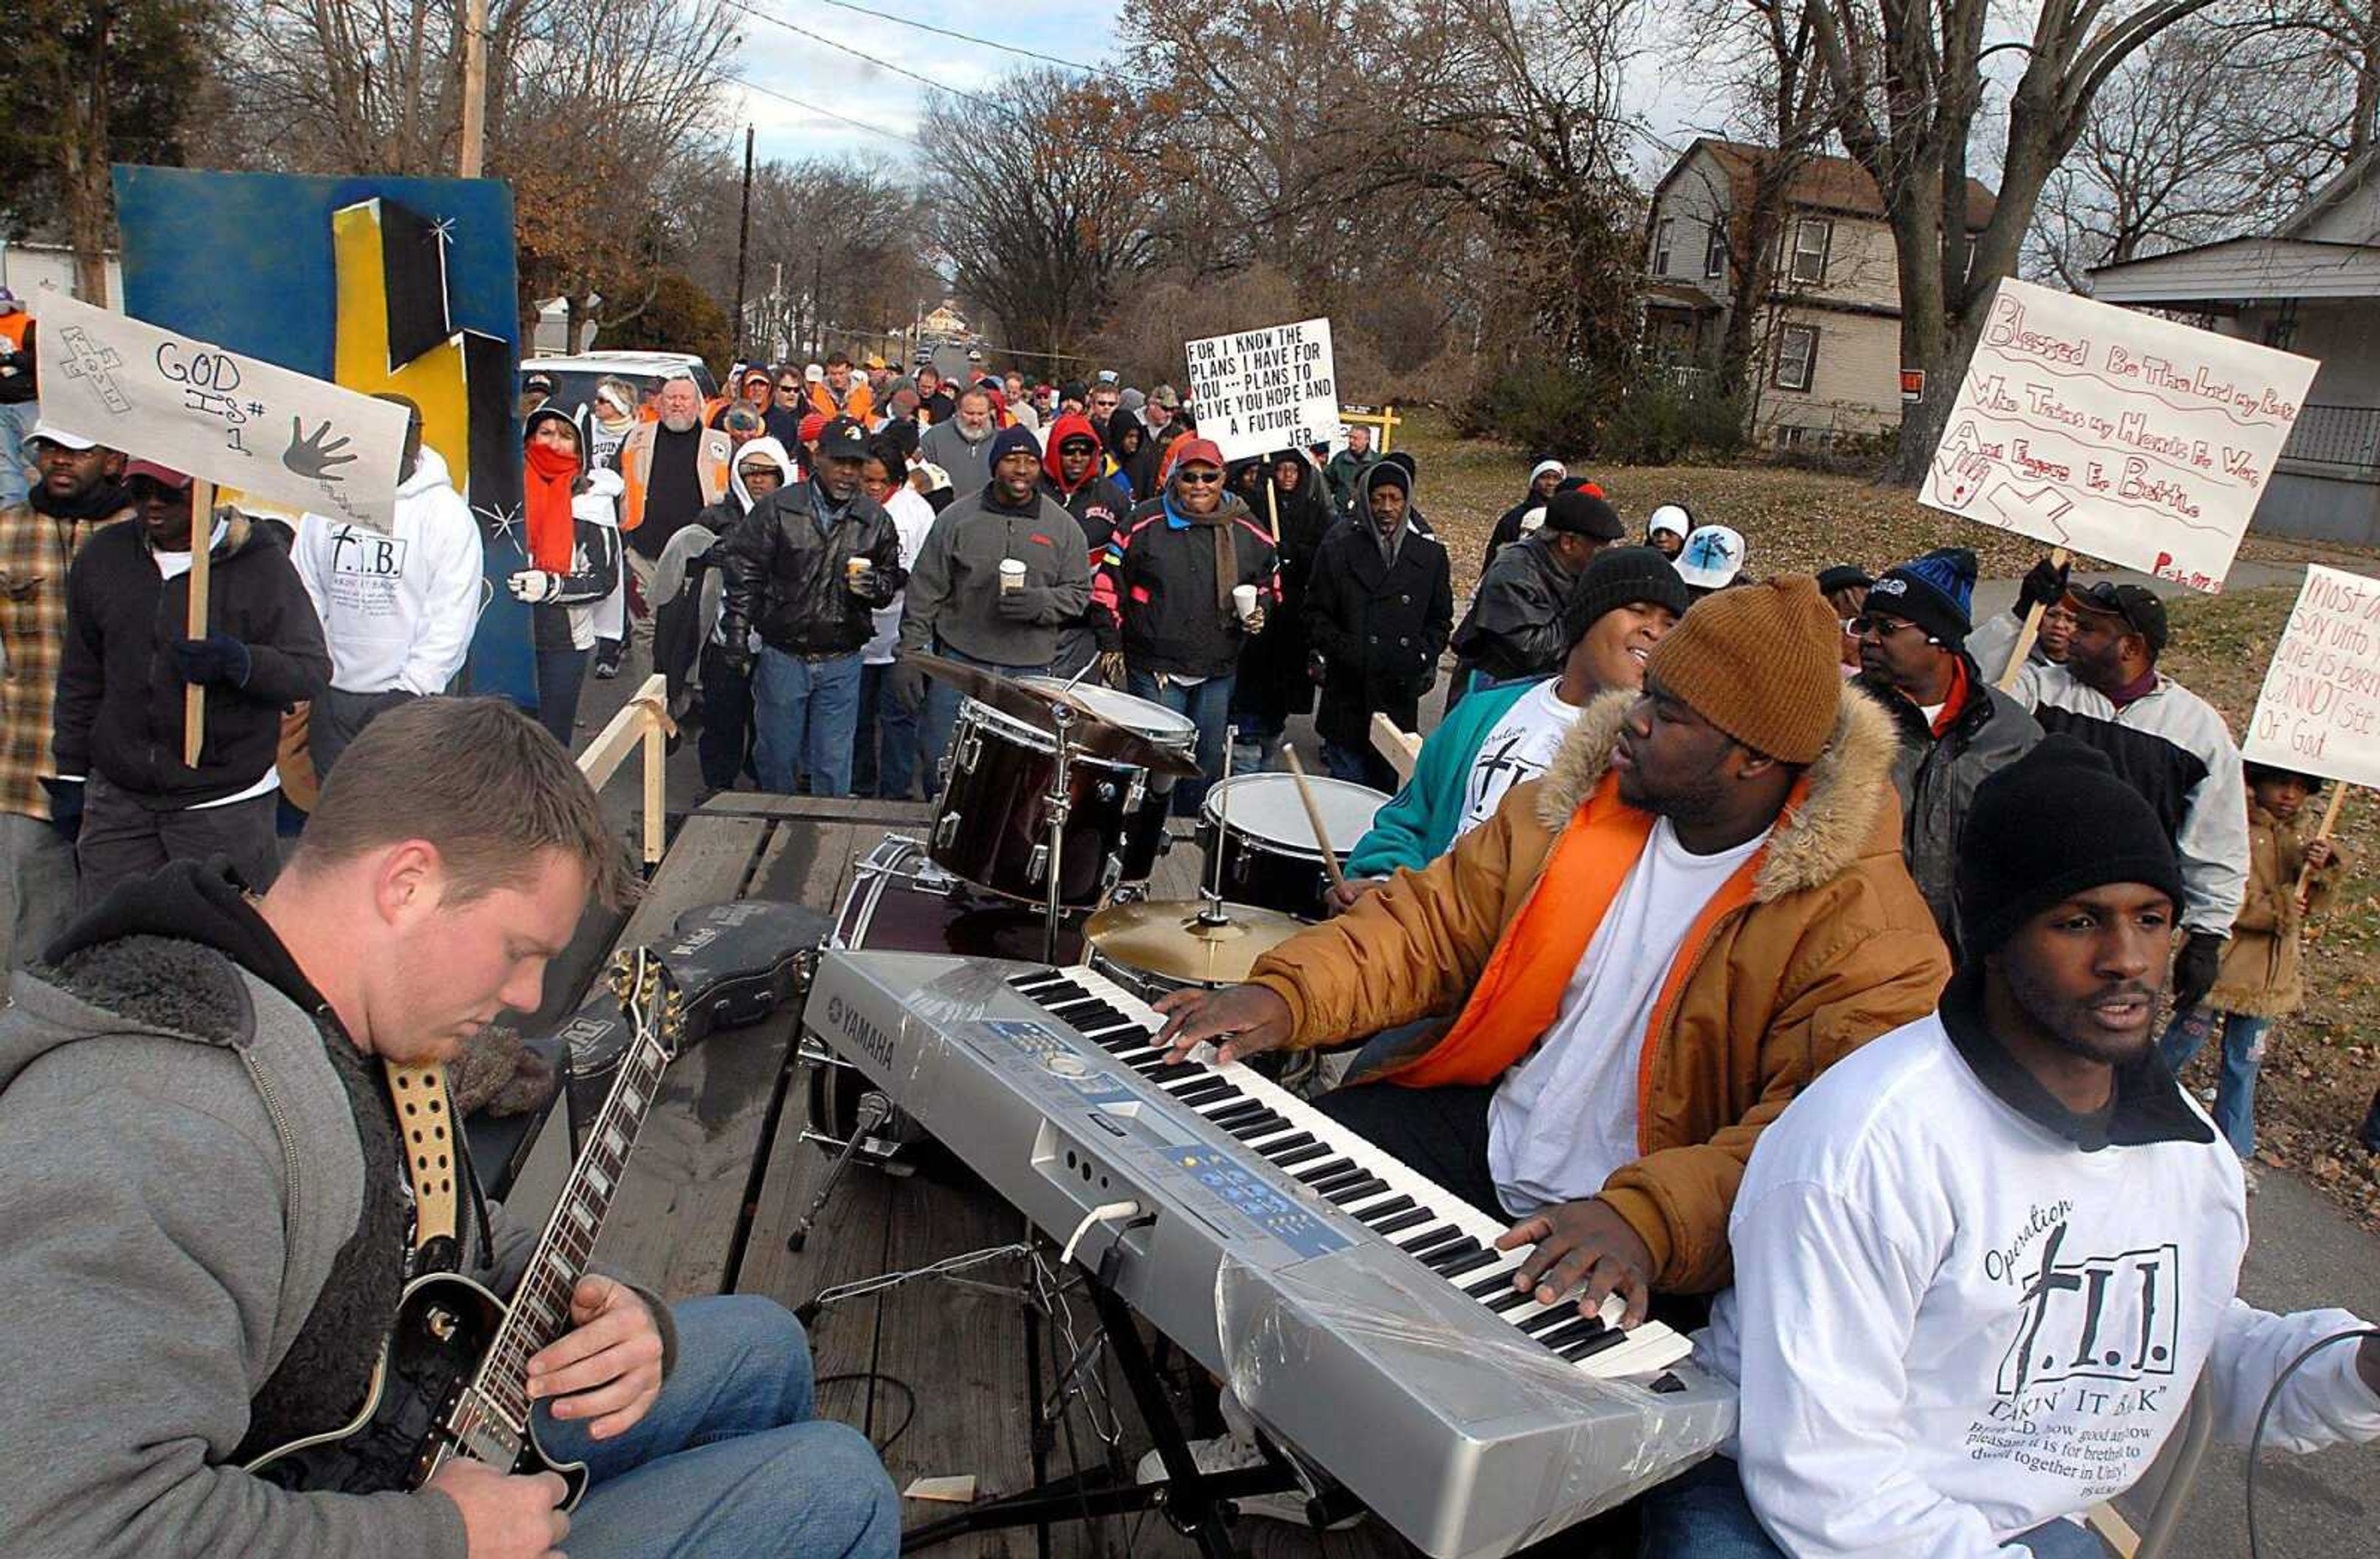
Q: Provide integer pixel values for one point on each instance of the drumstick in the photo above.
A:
(1314, 817)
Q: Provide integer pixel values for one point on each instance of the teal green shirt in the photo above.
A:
(1418, 825)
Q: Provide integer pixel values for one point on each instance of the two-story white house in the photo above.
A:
(1825, 335)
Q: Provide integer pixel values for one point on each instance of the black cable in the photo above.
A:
(907, 1391)
(2256, 1441)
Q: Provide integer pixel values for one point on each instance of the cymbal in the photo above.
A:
(1091, 733)
(1167, 938)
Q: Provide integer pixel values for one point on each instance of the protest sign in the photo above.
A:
(2320, 710)
(1263, 390)
(2116, 433)
(235, 421)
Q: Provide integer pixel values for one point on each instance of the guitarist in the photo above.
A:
(208, 1218)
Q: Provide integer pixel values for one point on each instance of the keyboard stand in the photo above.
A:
(1192, 1501)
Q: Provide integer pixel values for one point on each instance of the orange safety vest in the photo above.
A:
(710, 467)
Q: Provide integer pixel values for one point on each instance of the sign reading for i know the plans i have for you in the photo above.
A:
(1261, 389)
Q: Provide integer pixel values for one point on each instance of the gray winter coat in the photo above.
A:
(1936, 779)
(174, 1196)
(955, 598)
(945, 444)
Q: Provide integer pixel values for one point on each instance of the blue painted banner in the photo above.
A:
(401, 285)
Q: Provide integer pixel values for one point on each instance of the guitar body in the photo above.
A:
(444, 1326)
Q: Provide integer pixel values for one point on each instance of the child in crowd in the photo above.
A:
(2260, 980)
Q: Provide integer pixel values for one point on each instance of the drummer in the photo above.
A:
(1497, 738)
(1645, 953)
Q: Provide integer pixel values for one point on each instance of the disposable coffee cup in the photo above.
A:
(855, 569)
(1012, 573)
(1243, 600)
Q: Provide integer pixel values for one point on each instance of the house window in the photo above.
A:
(1797, 357)
(1811, 236)
(1661, 245)
(1715, 249)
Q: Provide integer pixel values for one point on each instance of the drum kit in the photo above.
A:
(1051, 821)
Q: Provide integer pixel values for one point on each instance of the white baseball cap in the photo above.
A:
(1712, 558)
(1671, 518)
(50, 433)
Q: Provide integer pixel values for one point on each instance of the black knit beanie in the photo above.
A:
(1620, 576)
(2052, 823)
(1936, 591)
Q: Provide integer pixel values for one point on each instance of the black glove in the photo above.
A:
(909, 685)
(2194, 969)
(2045, 586)
(217, 659)
(1022, 604)
(66, 806)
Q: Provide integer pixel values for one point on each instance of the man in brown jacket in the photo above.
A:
(1646, 954)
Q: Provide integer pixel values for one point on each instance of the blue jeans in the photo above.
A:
(805, 714)
(16, 419)
(2234, 1087)
(941, 712)
(1208, 706)
(886, 762)
(559, 674)
(729, 1462)
(1702, 1514)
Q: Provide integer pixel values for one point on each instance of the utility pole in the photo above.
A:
(743, 243)
(475, 89)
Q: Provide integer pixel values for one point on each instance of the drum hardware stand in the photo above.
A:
(1063, 713)
(872, 1111)
(1196, 1503)
(1210, 893)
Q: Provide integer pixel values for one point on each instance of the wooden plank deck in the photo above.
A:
(721, 1174)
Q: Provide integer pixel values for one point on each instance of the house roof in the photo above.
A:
(2244, 270)
(1826, 183)
(2349, 179)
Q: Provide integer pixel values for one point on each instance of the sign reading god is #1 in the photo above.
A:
(2116, 433)
(236, 421)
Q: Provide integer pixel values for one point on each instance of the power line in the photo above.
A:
(755, 11)
(993, 44)
(816, 108)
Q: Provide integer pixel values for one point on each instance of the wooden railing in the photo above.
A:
(644, 721)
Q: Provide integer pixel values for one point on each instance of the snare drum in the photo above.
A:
(900, 902)
(1267, 850)
(1145, 838)
(991, 823)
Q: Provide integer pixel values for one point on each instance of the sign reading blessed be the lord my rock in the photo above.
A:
(2116, 433)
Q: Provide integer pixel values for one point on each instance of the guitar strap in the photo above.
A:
(427, 1120)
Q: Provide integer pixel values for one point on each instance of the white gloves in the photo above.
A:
(534, 585)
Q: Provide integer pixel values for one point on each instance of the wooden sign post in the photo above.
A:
(2030, 631)
(2305, 890)
(202, 538)
(1386, 419)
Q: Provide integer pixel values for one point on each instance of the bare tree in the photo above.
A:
(594, 107)
(1907, 85)
(1042, 219)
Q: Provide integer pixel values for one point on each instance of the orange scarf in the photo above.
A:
(1519, 993)
(1954, 703)
(546, 481)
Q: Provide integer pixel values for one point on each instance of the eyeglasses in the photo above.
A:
(791, 387)
(1199, 479)
(1866, 626)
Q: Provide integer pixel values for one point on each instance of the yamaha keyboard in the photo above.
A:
(1359, 1311)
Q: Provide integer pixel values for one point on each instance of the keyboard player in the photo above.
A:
(1646, 953)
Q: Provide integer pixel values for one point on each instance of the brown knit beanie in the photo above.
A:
(1759, 662)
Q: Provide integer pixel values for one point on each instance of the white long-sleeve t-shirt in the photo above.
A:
(1952, 1323)
(397, 609)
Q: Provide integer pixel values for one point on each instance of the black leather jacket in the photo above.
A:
(781, 573)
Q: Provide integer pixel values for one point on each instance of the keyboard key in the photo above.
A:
(1295, 1155)
(1406, 1220)
(1330, 1170)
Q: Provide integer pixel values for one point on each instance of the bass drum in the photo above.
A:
(1257, 825)
(900, 902)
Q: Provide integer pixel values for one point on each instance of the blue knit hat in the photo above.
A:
(1937, 593)
(1012, 440)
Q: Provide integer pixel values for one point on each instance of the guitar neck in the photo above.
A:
(539, 1311)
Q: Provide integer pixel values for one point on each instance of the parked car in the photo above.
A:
(574, 378)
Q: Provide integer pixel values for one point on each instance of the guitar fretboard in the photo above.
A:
(541, 1307)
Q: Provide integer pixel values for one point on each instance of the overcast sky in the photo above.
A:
(831, 80)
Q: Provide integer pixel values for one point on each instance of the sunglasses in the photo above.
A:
(1199, 479)
(1876, 627)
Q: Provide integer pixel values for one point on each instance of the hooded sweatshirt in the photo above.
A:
(1099, 505)
(397, 609)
